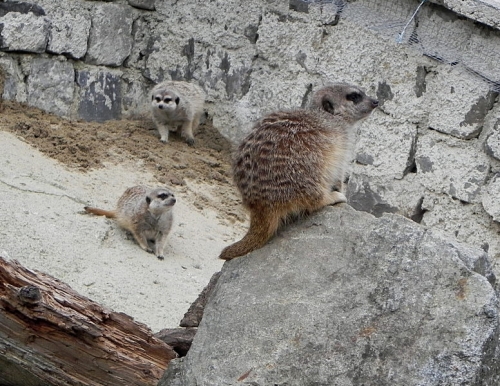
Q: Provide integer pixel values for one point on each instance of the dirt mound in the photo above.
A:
(90, 145)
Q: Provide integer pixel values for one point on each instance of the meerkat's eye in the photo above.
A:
(167, 100)
(158, 99)
(354, 97)
(163, 196)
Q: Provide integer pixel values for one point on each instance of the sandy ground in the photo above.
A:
(50, 168)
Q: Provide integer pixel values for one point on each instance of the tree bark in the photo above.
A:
(51, 335)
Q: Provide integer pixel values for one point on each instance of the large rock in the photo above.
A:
(491, 195)
(348, 299)
(69, 33)
(492, 144)
(51, 85)
(451, 166)
(458, 103)
(14, 87)
(24, 32)
(110, 40)
(100, 94)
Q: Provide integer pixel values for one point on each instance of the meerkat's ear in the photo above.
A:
(328, 106)
(177, 100)
(148, 200)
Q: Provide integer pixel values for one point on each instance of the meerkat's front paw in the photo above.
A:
(164, 140)
(337, 198)
(190, 141)
(160, 257)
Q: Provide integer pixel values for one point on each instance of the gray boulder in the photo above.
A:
(51, 85)
(24, 32)
(69, 34)
(491, 194)
(110, 40)
(100, 94)
(492, 144)
(344, 298)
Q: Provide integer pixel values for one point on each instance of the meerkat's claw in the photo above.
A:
(160, 257)
(190, 141)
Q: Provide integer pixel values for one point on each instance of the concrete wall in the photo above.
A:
(431, 152)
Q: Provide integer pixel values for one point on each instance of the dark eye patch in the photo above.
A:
(158, 99)
(354, 97)
(163, 196)
(167, 100)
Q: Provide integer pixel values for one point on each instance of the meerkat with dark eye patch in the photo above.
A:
(294, 162)
(174, 105)
(146, 213)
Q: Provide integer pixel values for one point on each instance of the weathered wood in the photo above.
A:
(50, 335)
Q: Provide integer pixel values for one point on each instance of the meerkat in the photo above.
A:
(177, 104)
(293, 162)
(146, 213)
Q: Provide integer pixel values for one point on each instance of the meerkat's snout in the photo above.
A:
(374, 103)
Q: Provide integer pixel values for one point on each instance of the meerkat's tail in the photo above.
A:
(100, 212)
(263, 225)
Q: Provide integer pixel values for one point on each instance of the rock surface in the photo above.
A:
(380, 301)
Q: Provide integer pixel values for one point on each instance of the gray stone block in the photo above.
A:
(468, 223)
(492, 144)
(386, 146)
(361, 195)
(51, 85)
(347, 299)
(451, 166)
(100, 95)
(24, 32)
(20, 7)
(148, 5)
(491, 198)
(110, 40)
(14, 87)
(457, 102)
(69, 34)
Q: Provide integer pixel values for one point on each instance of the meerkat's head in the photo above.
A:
(160, 200)
(344, 100)
(164, 100)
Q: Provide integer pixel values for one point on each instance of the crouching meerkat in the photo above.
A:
(146, 213)
(293, 162)
(177, 104)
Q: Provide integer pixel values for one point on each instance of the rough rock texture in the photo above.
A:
(380, 301)
(24, 32)
(51, 85)
(491, 198)
(100, 95)
(69, 34)
(110, 39)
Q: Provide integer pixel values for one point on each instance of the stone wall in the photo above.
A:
(431, 151)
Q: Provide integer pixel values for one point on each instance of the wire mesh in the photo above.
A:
(431, 29)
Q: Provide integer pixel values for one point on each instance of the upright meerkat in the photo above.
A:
(177, 104)
(146, 213)
(294, 162)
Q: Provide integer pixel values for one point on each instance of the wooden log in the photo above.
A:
(51, 335)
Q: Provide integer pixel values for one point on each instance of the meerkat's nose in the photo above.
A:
(374, 103)
(160, 107)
